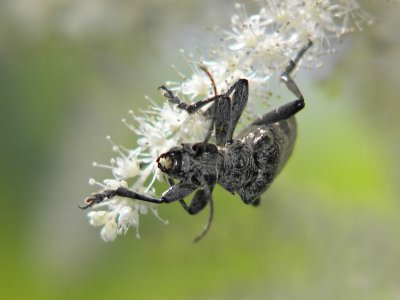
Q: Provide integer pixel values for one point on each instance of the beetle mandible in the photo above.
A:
(246, 164)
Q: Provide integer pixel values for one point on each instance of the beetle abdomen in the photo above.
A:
(272, 143)
(238, 167)
(271, 146)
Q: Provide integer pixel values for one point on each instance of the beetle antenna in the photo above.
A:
(208, 225)
(205, 70)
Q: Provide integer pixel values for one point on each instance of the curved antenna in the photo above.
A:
(205, 70)
(214, 107)
(210, 219)
(211, 215)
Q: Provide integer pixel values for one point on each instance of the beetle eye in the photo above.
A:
(166, 162)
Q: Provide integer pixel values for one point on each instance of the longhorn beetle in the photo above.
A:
(246, 164)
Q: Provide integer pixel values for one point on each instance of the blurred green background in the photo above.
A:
(327, 229)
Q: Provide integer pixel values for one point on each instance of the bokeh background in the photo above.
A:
(327, 229)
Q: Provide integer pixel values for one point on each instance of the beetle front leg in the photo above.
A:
(174, 193)
(190, 108)
(198, 202)
(122, 192)
(178, 191)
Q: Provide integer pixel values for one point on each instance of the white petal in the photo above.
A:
(127, 168)
(128, 217)
(115, 183)
(97, 218)
(143, 209)
(109, 231)
(155, 213)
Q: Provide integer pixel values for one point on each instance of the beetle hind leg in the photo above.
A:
(290, 109)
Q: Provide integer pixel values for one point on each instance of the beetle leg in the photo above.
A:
(227, 112)
(238, 104)
(222, 120)
(181, 201)
(122, 192)
(174, 193)
(211, 127)
(178, 191)
(190, 108)
(281, 113)
(197, 204)
(287, 110)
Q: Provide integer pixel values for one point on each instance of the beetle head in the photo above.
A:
(184, 161)
(170, 162)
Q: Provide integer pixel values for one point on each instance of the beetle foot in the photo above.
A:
(94, 199)
(169, 95)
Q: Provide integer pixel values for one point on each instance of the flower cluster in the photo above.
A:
(256, 47)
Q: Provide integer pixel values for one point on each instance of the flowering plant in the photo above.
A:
(256, 47)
